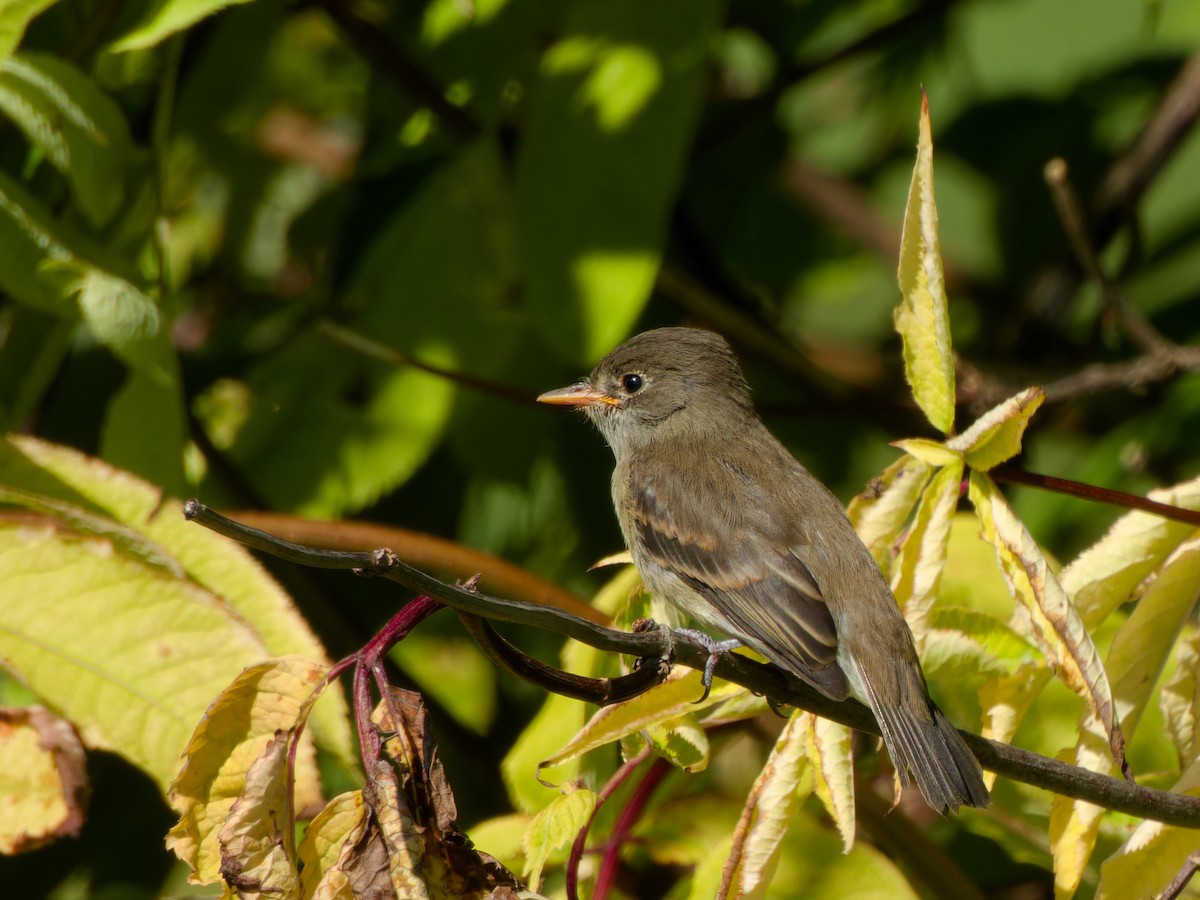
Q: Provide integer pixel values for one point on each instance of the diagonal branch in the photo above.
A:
(775, 684)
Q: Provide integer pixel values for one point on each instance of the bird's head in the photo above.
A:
(659, 381)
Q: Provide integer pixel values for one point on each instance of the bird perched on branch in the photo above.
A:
(724, 523)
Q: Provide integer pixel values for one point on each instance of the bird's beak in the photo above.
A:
(582, 394)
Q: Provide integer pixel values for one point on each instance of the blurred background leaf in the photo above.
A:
(205, 207)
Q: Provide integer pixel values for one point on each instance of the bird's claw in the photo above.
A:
(716, 649)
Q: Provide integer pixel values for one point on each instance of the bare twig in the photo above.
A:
(373, 349)
(601, 691)
(618, 778)
(1161, 358)
(1181, 879)
(1013, 475)
(1132, 172)
(425, 551)
(606, 877)
(779, 686)
(1070, 213)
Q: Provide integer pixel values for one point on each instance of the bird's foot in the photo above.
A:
(716, 649)
(642, 626)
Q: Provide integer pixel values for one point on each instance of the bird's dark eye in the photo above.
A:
(632, 383)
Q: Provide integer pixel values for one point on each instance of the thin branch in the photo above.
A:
(779, 686)
(648, 672)
(1181, 879)
(1157, 349)
(425, 551)
(374, 350)
(1133, 171)
(607, 875)
(610, 787)
(1013, 475)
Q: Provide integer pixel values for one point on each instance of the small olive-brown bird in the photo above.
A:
(724, 523)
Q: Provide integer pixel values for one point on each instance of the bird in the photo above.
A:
(724, 524)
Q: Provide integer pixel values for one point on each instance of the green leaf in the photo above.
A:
(922, 318)
(41, 265)
(29, 238)
(78, 127)
(213, 585)
(555, 826)
(15, 16)
(330, 431)
(560, 717)
(164, 18)
(145, 429)
(617, 97)
(30, 358)
(996, 435)
(680, 741)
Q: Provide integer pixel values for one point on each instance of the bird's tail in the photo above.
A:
(932, 750)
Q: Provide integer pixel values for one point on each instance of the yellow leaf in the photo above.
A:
(933, 453)
(258, 857)
(756, 842)
(127, 651)
(1074, 825)
(1048, 614)
(831, 754)
(1180, 699)
(1153, 854)
(1136, 659)
(328, 843)
(501, 837)
(680, 741)
(244, 608)
(996, 435)
(555, 826)
(43, 790)
(272, 696)
(664, 702)
(881, 511)
(922, 318)
(922, 558)
(1105, 575)
(1005, 699)
(1143, 643)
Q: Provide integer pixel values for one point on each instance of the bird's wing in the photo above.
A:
(744, 565)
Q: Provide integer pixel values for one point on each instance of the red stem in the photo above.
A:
(610, 862)
(618, 778)
(1013, 475)
(368, 662)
